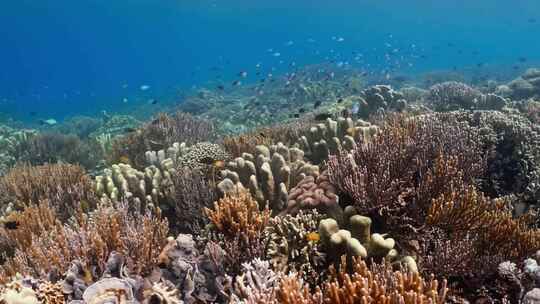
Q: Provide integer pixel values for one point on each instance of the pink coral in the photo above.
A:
(314, 193)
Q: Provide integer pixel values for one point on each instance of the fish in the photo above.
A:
(11, 225)
(296, 115)
(220, 87)
(522, 59)
(152, 101)
(317, 104)
(355, 108)
(322, 116)
(32, 113)
(301, 110)
(130, 130)
(243, 74)
(48, 122)
(276, 54)
(144, 87)
(236, 83)
(339, 100)
(313, 237)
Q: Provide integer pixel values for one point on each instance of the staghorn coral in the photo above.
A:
(314, 193)
(394, 177)
(292, 244)
(332, 136)
(66, 187)
(90, 238)
(268, 174)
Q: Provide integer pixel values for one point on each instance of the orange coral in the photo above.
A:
(239, 214)
(469, 211)
(44, 244)
(378, 284)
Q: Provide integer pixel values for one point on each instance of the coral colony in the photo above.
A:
(384, 196)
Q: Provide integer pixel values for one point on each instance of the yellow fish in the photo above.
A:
(313, 237)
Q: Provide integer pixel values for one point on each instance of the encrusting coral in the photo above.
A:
(268, 175)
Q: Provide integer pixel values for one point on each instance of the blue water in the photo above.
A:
(61, 58)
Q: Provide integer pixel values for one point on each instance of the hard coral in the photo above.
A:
(393, 178)
(66, 187)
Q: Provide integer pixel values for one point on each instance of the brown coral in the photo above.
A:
(90, 238)
(469, 211)
(238, 215)
(66, 187)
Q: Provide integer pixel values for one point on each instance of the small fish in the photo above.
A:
(144, 87)
(243, 74)
(220, 87)
(32, 113)
(313, 237)
(152, 101)
(522, 59)
(296, 115)
(48, 122)
(322, 116)
(339, 100)
(301, 110)
(11, 225)
(218, 164)
(340, 39)
(276, 54)
(124, 100)
(317, 104)
(130, 130)
(355, 108)
(480, 64)
(236, 83)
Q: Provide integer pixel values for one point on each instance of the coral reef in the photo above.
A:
(268, 174)
(523, 87)
(11, 141)
(453, 95)
(408, 164)
(292, 244)
(66, 187)
(314, 193)
(160, 133)
(380, 98)
(328, 138)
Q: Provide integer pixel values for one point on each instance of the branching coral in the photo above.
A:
(192, 193)
(378, 284)
(239, 224)
(393, 178)
(66, 187)
(467, 211)
(238, 215)
(89, 238)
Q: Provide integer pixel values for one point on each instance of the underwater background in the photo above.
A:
(269, 152)
(62, 58)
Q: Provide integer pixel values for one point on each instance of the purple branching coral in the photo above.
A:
(393, 178)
